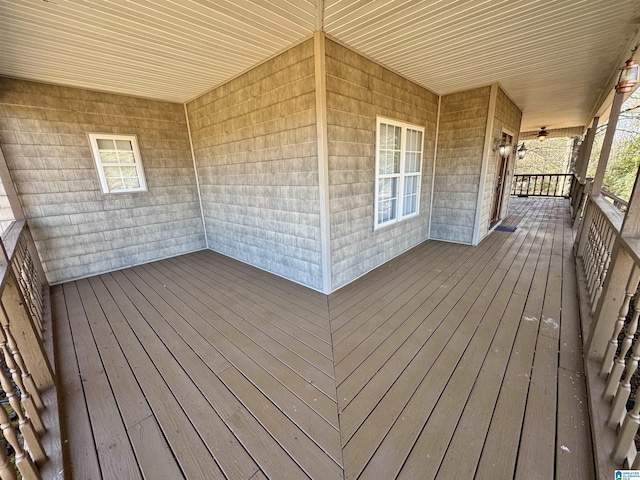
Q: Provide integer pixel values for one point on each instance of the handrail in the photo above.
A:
(617, 202)
(541, 185)
(609, 277)
(29, 387)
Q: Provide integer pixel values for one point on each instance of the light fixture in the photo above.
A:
(629, 74)
(542, 134)
(504, 149)
(522, 151)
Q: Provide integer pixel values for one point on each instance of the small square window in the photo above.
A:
(118, 163)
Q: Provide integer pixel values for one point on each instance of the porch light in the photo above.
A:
(522, 151)
(505, 150)
(629, 75)
(542, 134)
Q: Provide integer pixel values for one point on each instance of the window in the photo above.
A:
(118, 162)
(398, 171)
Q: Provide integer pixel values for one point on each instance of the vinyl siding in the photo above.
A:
(79, 231)
(357, 91)
(255, 143)
(507, 117)
(462, 130)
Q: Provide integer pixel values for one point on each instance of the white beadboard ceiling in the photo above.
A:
(554, 58)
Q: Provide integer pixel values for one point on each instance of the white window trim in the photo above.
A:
(93, 140)
(401, 176)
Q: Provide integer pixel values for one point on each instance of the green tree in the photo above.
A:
(550, 156)
(621, 172)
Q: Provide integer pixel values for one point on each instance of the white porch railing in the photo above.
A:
(28, 380)
(609, 274)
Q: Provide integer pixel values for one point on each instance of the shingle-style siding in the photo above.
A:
(357, 91)
(255, 143)
(507, 116)
(78, 230)
(461, 136)
(6, 214)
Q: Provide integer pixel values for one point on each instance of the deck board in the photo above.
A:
(449, 361)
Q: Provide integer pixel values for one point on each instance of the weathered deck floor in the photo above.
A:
(449, 362)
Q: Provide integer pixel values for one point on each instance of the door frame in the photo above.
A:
(501, 164)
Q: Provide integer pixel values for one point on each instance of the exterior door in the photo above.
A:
(501, 175)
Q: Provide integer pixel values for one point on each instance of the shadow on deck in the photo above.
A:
(449, 361)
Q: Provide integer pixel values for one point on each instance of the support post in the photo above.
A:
(631, 223)
(607, 143)
(585, 150)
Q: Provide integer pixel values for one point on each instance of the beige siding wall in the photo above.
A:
(507, 118)
(357, 91)
(6, 214)
(79, 231)
(462, 130)
(256, 150)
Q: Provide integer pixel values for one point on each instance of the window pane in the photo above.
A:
(115, 183)
(410, 185)
(129, 172)
(105, 144)
(410, 205)
(387, 199)
(385, 139)
(112, 172)
(124, 145)
(410, 201)
(108, 156)
(126, 157)
(412, 162)
(398, 138)
(382, 167)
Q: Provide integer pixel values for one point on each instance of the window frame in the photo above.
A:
(100, 165)
(401, 176)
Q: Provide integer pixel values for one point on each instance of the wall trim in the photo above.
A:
(433, 170)
(323, 158)
(486, 152)
(195, 173)
(10, 188)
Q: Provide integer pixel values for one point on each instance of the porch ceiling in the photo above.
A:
(555, 58)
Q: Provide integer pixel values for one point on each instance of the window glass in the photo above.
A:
(118, 163)
(399, 166)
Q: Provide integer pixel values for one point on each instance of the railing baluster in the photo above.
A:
(627, 433)
(630, 331)
(7, 471)
(612, 346)
(25, 397)
(543, 185)
(27, 379)
(606, 260)
(619, 405)
(26, 427)
(592, 254)
(25, 465)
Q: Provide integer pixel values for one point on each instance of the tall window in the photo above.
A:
(398, 171)
(118, 162)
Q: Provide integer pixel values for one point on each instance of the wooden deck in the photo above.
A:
(450, 361)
